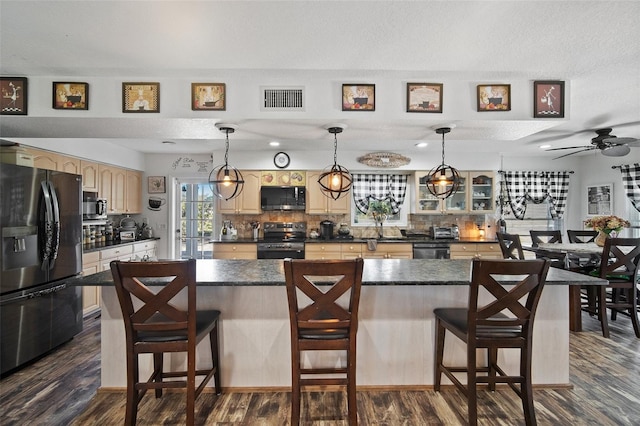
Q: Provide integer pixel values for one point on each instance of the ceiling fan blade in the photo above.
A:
(621, 141)
(571, 153)
(569, 147)
(616, 150)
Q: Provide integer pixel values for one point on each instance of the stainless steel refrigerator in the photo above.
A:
(40, 227)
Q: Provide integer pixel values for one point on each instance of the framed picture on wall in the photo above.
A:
(140, 97)
(68, 95)
(548, 99)
(494, 97)
(600, 199)
(156, 185)
(424, 97)
(13, 96)
(208, 97)
(358, 97)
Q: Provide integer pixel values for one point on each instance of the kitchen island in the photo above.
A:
(396, 327)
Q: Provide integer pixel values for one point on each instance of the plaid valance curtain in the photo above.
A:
(537, 187)
(367, 187)
(631, 181)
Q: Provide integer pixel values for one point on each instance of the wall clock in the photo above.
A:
(281, 160)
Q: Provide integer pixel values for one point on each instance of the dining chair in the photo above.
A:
(510, 245)
(513, 287)
(619, 265)
(155, 323)
(558, 260)
(323, 298)
(581, 236)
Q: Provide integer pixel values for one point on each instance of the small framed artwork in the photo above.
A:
(14, 96)
(156, 185)
(140, 97)
(424, 97)
(548, 99)
(208, 97)
(358, 97)
(67, 95)
(494, 97)
(600, 199)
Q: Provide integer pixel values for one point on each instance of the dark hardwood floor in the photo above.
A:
(60, 389)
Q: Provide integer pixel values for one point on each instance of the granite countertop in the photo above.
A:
(270, 272)
(88, 248)
(364, 240)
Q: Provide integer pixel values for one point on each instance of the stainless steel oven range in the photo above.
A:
(282, 240)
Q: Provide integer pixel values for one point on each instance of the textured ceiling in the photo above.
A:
(593, 46)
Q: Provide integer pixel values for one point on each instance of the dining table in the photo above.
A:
(570, 251)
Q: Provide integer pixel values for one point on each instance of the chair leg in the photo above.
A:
(437, 371)
(472, 391)
(215, 358)
(191, 383)
(602, 309)
(615, 299)
(633, 310)
(158, 360)
(295, 389)
(526, 387)
(492, 361)
(131, 411)
(352, 406)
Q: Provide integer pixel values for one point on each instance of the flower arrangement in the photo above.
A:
(607, 224)
(379, 210)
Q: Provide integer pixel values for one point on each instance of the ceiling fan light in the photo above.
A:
(616, 150)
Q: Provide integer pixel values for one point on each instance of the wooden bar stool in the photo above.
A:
(510, 245)
(158, 326)
(321, 322)
(487, 326)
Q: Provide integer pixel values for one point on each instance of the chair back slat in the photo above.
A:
(510, 246)
(507, 282)
(538, 237)
(580, 236)
(620, 257)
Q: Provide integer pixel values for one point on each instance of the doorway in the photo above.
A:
(196, 210)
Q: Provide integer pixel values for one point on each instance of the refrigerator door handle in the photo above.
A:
(55, 237)
(48, 226)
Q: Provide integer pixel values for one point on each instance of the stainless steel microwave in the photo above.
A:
(274, 198)
(93, 207)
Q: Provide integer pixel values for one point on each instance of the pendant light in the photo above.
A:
(335, 181)
(226, 181)
(443, 181)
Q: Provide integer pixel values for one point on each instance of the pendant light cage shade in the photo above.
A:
(226, 181)
(335, 181)
(443, 181)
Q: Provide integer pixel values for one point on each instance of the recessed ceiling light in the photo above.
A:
(545, 146)
(421, 144)
(168, 142)
(274, 143)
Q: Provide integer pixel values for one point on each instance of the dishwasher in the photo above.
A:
(431, 250)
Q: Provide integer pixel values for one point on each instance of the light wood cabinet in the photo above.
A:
(389, 251)
(133, 192)
(318, 203)
(122, 252)
(475, 194)
(90, 176)
(90, 294)
(144, 250)
(235, 251)
(248, 202)
(322, 251)
(351, 250)
(488, 250)
(52, 161)
(112, 187)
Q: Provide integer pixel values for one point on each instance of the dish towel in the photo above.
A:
(372, 245)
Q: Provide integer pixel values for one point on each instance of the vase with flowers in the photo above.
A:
(379, 211)
(607, 226)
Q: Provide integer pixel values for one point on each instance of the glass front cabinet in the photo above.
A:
(475, 194)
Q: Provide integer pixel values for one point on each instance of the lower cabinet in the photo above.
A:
(90, 294)
(144, 250)
(488, 250)
(235, 251)
(123, 252)
(355, 250)
(388, 251)
(322, 251)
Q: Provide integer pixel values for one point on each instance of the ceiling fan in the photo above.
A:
(610, 145)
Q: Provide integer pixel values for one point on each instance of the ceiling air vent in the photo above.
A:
(282, 98)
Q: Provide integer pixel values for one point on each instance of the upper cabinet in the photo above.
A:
(90, 176)
(248, 202)
(53, 161)
(318, 203)
(474, 194)
(133, 192)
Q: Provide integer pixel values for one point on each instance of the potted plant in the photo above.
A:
(379, 211)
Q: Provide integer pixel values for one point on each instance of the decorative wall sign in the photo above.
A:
(384, 160)
(140, 97)
(13, 96)
(156, 185)
(68, 95)
(208, 97)
(548, 99)
(600, 199)
(358, 97)
(494, 97)
(424, 97)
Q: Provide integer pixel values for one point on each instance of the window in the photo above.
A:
(368, 187)
(537, 218)
(197, 209)
(360, 219)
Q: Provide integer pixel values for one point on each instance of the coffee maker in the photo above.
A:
(326, 229)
